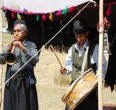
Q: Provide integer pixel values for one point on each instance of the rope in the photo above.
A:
(46, 43)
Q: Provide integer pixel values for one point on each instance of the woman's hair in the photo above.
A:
(22, 23)
(24, 27)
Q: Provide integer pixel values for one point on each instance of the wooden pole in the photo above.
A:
(1, 47)
(101, 31)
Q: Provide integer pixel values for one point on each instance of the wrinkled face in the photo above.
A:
(18, 32)
(81, 38)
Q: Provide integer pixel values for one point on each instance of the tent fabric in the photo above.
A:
(43, 31)
(40, 6)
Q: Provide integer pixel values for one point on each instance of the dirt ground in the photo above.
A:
(49, 93)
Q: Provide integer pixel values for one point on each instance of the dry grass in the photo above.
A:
(50, 84)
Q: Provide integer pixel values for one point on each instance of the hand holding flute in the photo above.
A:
(16, 43)
(10, 57)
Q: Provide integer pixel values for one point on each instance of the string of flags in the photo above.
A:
(51, 15)
(44, 16)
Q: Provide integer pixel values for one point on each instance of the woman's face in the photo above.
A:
(19, 33)
(81, 38)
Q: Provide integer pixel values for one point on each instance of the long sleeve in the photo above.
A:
(31, 51)
(23, 57)
(2, 55)
(68, 62)
(94, 59)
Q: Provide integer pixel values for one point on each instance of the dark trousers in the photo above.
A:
(19, 95)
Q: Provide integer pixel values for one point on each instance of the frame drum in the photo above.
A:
(80, 89)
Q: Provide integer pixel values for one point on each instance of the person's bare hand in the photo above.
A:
(63, 70)
(10, 46)
(19, 44)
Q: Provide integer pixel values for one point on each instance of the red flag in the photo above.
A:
(108, 12)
